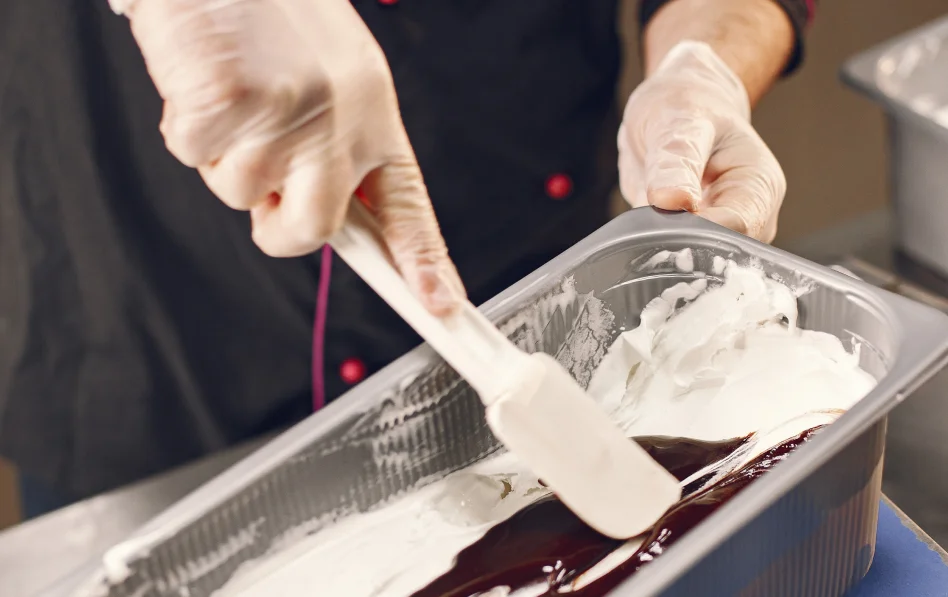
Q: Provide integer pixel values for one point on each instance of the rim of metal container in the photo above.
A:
(859, 73)
(920, 334)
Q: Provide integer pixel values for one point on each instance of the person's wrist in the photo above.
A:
(755, 38)
(701, 62)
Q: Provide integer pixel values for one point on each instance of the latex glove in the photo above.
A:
(285, 107)
(686, 143)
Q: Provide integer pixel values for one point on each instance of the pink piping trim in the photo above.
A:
(319, 330)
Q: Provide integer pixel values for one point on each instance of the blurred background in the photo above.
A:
(830, 141)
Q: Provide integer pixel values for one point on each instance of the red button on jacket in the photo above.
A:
(559, 186)
(352, 371)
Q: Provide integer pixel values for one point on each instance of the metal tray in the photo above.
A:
(806, 528)
(906, 76)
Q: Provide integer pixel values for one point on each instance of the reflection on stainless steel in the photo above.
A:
(34, 554)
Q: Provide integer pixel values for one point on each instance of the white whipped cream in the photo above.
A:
(398, 549)
(730, 363)
(733, 362)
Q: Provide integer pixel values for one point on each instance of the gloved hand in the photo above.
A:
(686, 143)
(285, 107)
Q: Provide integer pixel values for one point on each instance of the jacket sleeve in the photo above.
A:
(800, 12)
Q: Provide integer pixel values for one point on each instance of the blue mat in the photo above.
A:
(903, 565)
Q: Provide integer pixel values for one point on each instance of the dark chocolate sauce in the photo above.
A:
(684, 457)
(545, 542)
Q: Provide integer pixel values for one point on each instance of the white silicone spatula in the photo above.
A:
(534, 407)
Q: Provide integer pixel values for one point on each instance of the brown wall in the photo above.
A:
(829, 140)
(9, 502)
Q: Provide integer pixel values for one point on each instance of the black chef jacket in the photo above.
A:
(139, 325)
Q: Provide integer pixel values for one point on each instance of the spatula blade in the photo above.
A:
(557, 430)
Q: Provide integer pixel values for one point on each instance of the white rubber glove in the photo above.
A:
(686, 143)
(285, 107)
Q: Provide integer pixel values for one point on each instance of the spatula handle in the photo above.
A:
(467, 340)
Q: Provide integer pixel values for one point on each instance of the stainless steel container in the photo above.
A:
(908, 76)
(807, 528)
